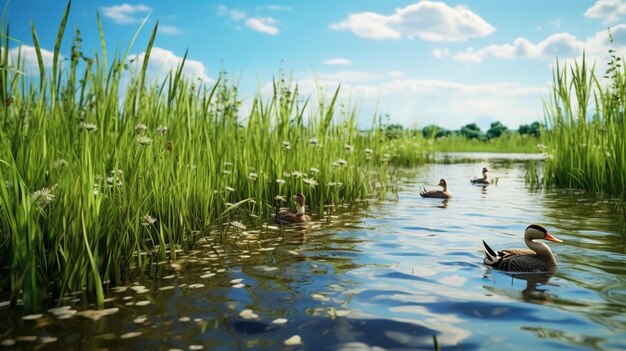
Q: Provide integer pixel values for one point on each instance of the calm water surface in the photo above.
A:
(390, 276)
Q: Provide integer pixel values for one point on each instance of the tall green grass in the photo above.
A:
(97, 182)
(585, 136)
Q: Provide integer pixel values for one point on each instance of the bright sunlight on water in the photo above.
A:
(402, 274)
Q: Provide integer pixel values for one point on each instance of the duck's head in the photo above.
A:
(485, 170)
(299, 198)
(442, 183)
(536, 231)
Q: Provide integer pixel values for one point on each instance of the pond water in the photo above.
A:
(400, 274)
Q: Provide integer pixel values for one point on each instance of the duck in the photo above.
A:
(288, 217)
(484, 180)
(440, 194)
(537, 258)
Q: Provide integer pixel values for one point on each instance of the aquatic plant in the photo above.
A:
(585, 132)
(71, 219)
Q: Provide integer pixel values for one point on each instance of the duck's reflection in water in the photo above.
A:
(534, 286)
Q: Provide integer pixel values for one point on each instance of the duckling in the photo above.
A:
(287, 217)
(484, 180)
(441, 194)
(537, 258)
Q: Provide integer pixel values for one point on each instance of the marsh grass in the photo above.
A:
(585, 136)
(98, 182)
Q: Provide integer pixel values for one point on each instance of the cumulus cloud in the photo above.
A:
(559, 45)
(162, 61)
(338, 61)
(609, 11)
(126, 13)
(28, 59)
(426, 20)
(265, 25)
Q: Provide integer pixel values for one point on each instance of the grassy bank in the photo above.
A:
(98, 183)
(585, 135)
(512, 142)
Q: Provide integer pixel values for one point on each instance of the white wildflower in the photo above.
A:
(89, 126)
(144, 140)
(314, 170)
(252, 176)
(286, 145)
(140, 128)
(280, 181)
(147, 220)
(310, 182)
(314, 141)
(43, 196)
(368, 151)
(348, 147)
(161, 130)
(296, 174)
(280, 198)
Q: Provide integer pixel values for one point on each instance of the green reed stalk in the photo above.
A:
(585, 128)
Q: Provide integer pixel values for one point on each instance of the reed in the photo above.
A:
(585, 132)
(98, 183)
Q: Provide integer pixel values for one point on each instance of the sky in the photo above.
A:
(447, 63)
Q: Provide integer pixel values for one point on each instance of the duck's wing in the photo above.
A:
(514, 260)
(524, 263)
(284, 217)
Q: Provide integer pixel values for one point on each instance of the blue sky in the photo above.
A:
(448, 63)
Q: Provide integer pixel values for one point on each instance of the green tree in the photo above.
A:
(434, 131)
(472, 131)
(533, 129)
(496, 130)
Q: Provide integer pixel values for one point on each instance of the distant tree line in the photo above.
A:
(470, 131)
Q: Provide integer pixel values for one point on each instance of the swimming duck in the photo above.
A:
(441, 194)
(287, 217)
(537, 258)
(484, 180)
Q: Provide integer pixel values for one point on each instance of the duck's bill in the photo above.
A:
(551, 238)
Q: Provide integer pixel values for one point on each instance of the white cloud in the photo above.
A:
(368, 25)
(28, 59)
(126, 13)
(265, 25)
(234, 14)
(441, 53)
(169, 30)
(162, 61)
(237, 14)
(427, 20)
(559, 45)
(418, 102)
(338, 61)
(609, 11)
(556, 45)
